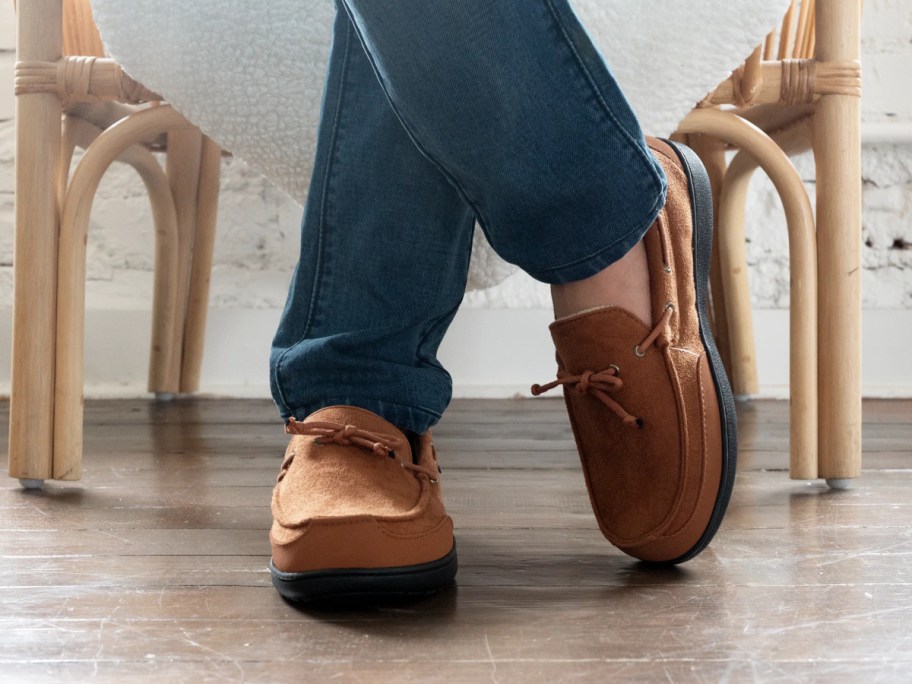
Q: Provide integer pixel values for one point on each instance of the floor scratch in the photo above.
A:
(494, 679)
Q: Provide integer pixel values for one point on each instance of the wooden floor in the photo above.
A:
(154, 566)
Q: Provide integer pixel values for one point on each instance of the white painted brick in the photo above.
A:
(7, 152)
(887, 288)
(6, 229)
(7, 26)
(885, 85)
(885, 21)
(7, 99)
(7, 59)
(886, 59)
(886, 165)
(6, 288)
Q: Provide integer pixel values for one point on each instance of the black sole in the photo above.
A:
(366, 584)
(702, 207)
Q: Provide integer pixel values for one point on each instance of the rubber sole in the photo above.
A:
(702, 208)
(367, 584)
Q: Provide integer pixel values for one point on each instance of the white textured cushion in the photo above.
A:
(250, 73)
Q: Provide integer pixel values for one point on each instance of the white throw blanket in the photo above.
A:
(250, 73)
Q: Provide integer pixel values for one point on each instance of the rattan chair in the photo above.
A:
(779, 106)
(69, 95)
(803, 95)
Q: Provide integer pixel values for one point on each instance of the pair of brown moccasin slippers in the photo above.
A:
(357, 514)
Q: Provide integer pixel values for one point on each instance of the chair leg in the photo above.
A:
(712, 154)
(803, 257)
(74, 226)
(183, 169)
(734, 273)
(733, 253)
(79, 132)
(201, 267)
(837, 149)
(38, 142)
(165, 297)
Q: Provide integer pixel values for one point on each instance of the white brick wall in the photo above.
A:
(7, 59)
(258, 225)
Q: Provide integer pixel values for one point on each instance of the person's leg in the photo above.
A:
(513, 105)
(516, 107)
(543, 149)
(385, 246)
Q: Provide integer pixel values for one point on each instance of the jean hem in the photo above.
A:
(404, 417)
(588, 266)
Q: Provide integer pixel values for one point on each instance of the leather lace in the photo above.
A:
(600, 383)
(351, 435)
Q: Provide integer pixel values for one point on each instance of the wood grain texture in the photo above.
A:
(153, 567)
(803, 373)
(837, 155)
(200, 275)
(38, 144)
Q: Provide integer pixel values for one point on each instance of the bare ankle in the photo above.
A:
(624, 284)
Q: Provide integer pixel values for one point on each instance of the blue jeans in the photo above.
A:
(437, 114)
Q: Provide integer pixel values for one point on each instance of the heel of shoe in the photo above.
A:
(702, 204)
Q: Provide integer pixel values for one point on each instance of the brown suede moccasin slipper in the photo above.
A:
(650, 405)
(356, 514)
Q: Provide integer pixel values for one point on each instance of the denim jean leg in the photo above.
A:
(385, 246)
(516, 106)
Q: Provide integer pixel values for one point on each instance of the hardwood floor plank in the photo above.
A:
(494, 669)
(475, 497)
(200, 427)
(648, 623)
(502, 556)
(154, 566)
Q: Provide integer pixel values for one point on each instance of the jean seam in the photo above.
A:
(606, 108)
(479, 216)
(321, 228)
(450, 313)
(324, 197)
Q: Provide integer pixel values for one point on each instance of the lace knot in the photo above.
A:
(598, 384)
(582, 385)
(353, 436)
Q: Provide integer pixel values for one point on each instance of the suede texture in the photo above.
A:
(340, 507)
(652, 488)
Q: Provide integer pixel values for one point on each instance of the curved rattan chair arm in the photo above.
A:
(803, 263)
(164, 215)
(74, 225)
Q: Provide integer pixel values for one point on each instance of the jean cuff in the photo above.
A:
(416, 419)
(594, 263)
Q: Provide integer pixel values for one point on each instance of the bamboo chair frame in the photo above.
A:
(807, 97)
(69, 95)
